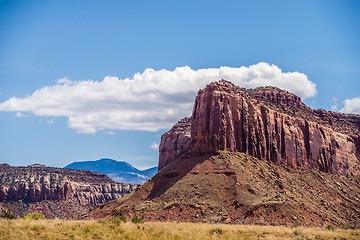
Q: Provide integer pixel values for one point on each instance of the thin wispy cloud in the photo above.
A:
(154, 146)
(65, 80)
(151, 100)
(334, 107)
(50, 121)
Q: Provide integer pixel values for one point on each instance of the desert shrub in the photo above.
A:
(345, 226)
(115, 220)
(86, 229)
(7, 214)
(329, 227)
(217, 231)
(38, 228)
(118, 220)
(294, 226)
(34, 216)
(102, 221)
(137, 220)
(123, 219)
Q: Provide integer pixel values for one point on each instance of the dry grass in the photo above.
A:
(115, 229)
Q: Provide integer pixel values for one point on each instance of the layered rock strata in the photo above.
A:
(270, 124)
(44, 186)
(174, 143)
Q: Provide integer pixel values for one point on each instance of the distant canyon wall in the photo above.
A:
(44, 186)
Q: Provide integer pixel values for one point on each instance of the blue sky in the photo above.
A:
(77, 55)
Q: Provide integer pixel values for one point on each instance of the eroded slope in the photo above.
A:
(238, 188)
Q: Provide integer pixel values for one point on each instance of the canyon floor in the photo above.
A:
(115, 229)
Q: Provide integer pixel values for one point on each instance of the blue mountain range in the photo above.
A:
(119, 171)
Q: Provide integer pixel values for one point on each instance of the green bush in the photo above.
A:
(330, 228)
(118, 220)
(34, 216)
(137, 220)
(7, 214)
(217, 231)
(123, 219)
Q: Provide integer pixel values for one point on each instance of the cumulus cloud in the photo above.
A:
(351, 106)
(150, 100)
(154, 146)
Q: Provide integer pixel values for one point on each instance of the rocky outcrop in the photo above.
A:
(41, 185)
(273, 125)
(175, 142)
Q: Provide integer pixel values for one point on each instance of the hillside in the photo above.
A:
(121, 172)
(257, 156)
(237, 188)
(56, 192)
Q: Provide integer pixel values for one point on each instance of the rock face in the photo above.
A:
(273, 125)
(256, 156)
(175, 142)
(25, 187)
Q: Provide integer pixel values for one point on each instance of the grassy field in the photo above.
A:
(116, 229)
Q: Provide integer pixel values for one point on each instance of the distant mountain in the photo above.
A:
(119, 171)
(150, 171)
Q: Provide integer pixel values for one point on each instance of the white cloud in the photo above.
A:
(154, 146)
(334, 107)
(19, 114)
(351, 106)
(150, 100)
(65, 80)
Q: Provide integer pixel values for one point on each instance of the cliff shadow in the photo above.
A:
(174, 172)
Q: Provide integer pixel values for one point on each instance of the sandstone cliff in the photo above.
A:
(270, 124)
(174, 143)
(252, 156)
(56, 192)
